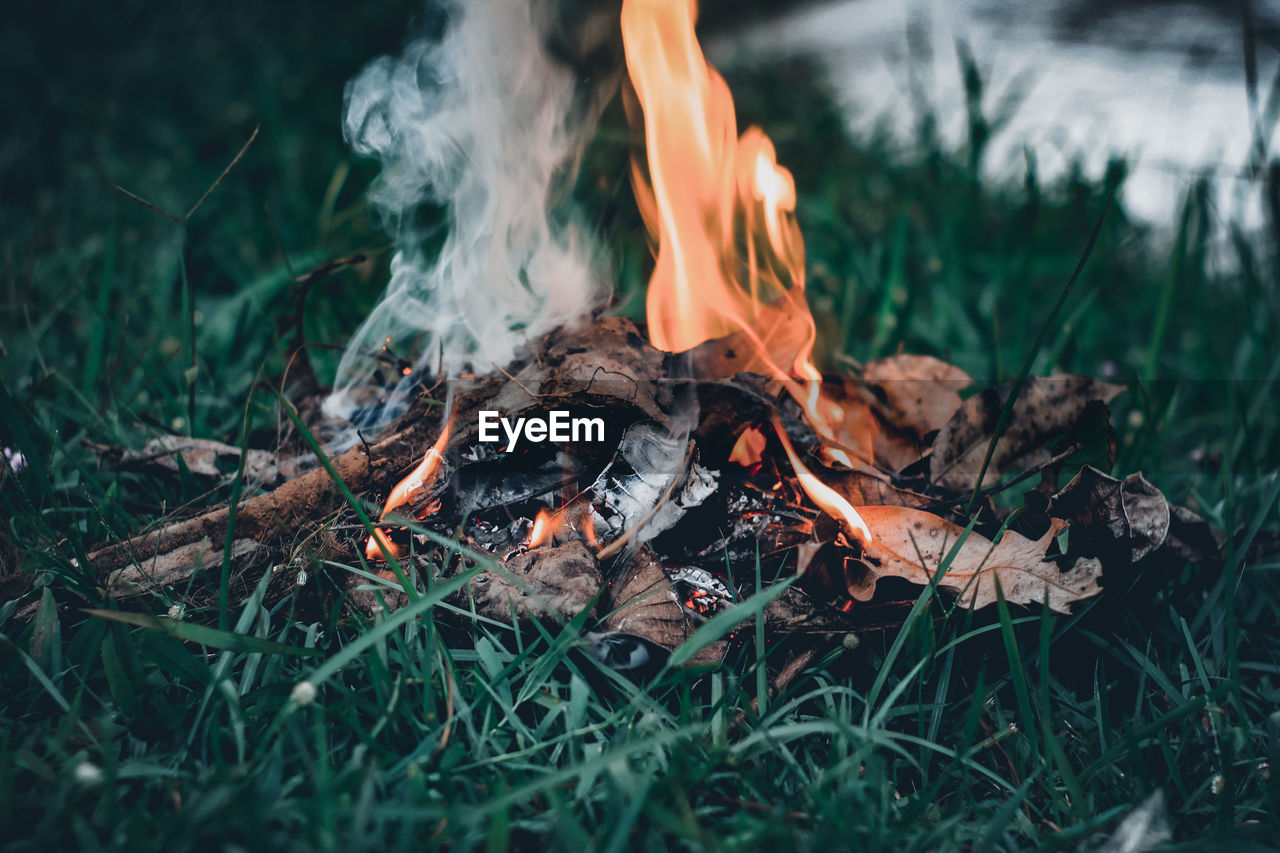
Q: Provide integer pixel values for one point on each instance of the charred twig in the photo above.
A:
(268, 517)
(1000, 487)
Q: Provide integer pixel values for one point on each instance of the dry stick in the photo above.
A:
(243, 149)
(517, 382)
(616, 545)
(142, 201)
(271, 515)
(181, 220)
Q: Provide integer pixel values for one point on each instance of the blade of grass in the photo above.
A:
(204, 635)
(350, 498)
(224, 580)
(98, 330)
(725, 621)
(922, 602)
(405, 614)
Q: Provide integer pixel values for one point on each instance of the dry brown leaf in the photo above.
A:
(1046, 407)
(911, 544)
(922, 392)
(1128, 519)
(1130, 513)
(557, 582)
(645, 605)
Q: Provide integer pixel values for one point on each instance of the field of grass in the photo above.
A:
(298, 725)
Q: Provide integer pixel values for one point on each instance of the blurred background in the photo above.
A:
(1161, 82)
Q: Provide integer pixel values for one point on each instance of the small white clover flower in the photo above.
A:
(1216, 784)
(176, 612)
(14, 459)
(88, 774)
(304, 693)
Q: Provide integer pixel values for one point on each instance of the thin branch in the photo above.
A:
(517, 381)
(243, 150)
(142, 201)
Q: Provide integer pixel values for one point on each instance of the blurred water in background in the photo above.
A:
(1160, 83)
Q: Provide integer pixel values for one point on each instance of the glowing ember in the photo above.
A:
(827, 498)
(730, 256)
(421, 477)
(749, 449)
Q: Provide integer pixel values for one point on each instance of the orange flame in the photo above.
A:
(730, 256)
(704, 191)
(544, 527)
(831, 501)
(419, 479)
(748, 451)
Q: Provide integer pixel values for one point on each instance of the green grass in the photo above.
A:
(1016, 729)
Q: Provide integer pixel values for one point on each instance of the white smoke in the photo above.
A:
(483, 122)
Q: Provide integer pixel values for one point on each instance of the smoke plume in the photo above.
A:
(482, 122)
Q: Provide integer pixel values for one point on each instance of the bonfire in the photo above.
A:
(644, 478)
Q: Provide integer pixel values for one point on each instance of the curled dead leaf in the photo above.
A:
(645, 605)
(912, 544)
(1046, 407)
(1129, 519)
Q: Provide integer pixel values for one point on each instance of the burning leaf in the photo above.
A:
(635, 489)
(911, 544)
(606, 362)
(831, 501)
(721, 212)
(646, 605)
(410, 490)
(1047, 406)
(781, 332)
